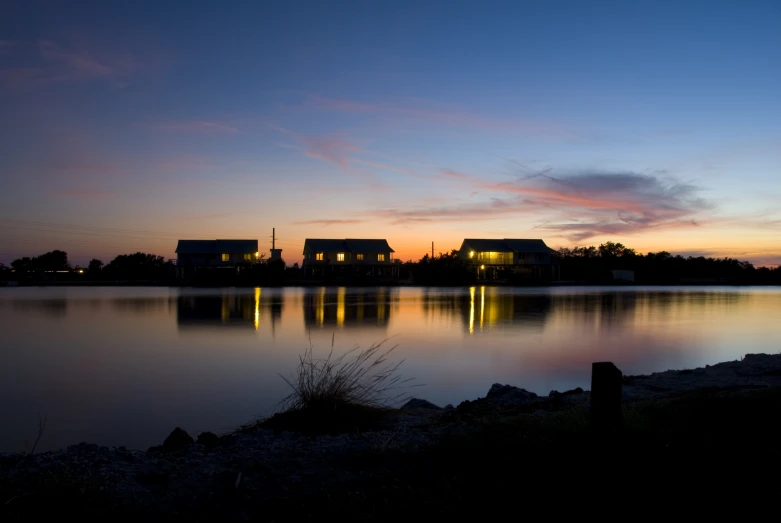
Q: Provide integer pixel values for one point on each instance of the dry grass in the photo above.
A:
(359, 377)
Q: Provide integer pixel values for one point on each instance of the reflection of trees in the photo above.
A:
(356, 308)
(56, 307)
(491, 307)
(141, 305)
(237, 310)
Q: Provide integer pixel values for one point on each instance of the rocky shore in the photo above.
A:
(261, 471)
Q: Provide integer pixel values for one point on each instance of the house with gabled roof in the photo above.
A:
(216, 253)
(348, 256)
(525, 258)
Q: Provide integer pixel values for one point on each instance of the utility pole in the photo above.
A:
(432, 250)
(276, 254)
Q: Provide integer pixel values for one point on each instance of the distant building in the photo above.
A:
(215, 253)
(521, 258)
(623, 276)
(349, 256)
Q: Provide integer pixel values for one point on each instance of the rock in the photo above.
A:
(416, 403)
(208, 439)
(449, 406)
(554, 393)
(177, 440)
(508, 395)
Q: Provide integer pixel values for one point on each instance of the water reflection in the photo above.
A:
(106, 364)
(240, 310)
(491, 307)
(359, 307)
(55, 307)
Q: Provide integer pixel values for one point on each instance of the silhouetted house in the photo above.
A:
(349, 257)
(214, 253)
(493, 258)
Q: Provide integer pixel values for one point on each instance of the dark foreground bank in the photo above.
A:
(701, 441)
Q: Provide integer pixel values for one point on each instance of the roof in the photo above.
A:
(347, 245)
(216, 246)
(506, 245)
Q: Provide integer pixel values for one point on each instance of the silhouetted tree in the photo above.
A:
(590, 264)
(51, 261)
(94, 267)
(444, 269)
(138, 266)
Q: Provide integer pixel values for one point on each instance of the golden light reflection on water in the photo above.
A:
(340, 306)
(320, 315)
(471, 310)
(482, 306)
(257, 307)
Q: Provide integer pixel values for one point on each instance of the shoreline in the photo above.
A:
(332, 283)
(267, 461)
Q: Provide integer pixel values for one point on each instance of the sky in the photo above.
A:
(129, 125)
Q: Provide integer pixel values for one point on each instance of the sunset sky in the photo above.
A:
(128, 125)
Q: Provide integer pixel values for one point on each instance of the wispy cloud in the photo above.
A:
(86, 194)
(576, 205)
(54, 64)
(328, 222)
(609, 202)
(337, 149)
(194, 126)
(427, 112)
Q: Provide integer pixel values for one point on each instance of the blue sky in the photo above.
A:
(128, 125)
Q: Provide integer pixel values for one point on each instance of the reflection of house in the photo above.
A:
(243, 310)
(359, 308)
(490, 308)
(214, 253)
(494, 258)
(349, 256)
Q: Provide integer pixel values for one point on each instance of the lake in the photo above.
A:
(125, 365)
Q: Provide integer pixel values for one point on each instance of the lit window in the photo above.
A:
(471, 254)
(380, 257)
(319, 256)
(359, 257)
(247, 257)
(226, 256)
(339, 256)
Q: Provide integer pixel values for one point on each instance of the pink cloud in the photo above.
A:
(337, 149)
(86, 194)
(195, 126)
(331, 148)
(57, 64)
(328, 222)
(428, 114)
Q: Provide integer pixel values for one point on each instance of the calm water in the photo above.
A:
(124, 366)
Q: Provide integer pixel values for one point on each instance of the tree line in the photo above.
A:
(581, 265)
(595, 265)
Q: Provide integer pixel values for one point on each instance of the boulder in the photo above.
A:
(507, 395)
(416, 403)
(177, 440)
(208, 439)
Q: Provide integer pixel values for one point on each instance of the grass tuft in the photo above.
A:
(351, 391)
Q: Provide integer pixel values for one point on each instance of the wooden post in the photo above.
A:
(605, 396)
